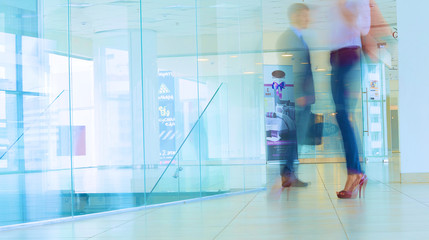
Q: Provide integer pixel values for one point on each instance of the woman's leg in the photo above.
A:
(342, 63)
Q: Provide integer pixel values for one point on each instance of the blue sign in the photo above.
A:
(167, 121)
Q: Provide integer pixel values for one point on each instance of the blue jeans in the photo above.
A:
(302, 116)
(345, 84)
(287, 166)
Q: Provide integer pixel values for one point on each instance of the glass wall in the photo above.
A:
(109, 105)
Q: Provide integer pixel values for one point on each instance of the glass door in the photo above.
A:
(374, 107)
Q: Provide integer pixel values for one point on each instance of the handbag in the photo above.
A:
(314, 130)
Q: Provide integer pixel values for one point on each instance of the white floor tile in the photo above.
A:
(388, 211)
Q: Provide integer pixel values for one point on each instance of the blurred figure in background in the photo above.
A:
(350, 20)
(294, 44)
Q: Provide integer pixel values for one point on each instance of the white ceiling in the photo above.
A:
(274, 11)
(178, 18)
(174, 19)
(167, 16)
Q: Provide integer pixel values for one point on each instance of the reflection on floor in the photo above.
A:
(389, 211)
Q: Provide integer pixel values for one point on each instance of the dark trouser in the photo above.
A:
(302, 116)
(345, 84)
(287, 167)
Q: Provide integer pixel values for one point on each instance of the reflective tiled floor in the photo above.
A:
(389, 211)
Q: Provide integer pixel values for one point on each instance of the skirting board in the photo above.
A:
(414, 177)
(324, 160)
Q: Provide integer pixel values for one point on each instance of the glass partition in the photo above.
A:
(185, 176)
(105, 55)
(170, 87)
(35, 166)
(107, 105)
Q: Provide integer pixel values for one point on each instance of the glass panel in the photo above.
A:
(180, 179)
(106, 105)
(7, 57)
(229, 47)
(97, 97)
(34, 166)
(9, 130)
(220, 60)
(382, 136)
(375, 109)
(219, 172)
(35, 106)
(167, 189)
(170, 91)
(246, 98)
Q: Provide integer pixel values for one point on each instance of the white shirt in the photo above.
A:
(344, 34)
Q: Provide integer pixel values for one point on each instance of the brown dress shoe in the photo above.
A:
(292, 181)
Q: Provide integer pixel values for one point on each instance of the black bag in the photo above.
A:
(314, 130)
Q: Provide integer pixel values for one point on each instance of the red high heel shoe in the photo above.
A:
(362, 185)
(357, 188)
(348, 194)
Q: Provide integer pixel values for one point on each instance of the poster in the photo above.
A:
(167, 121)
(374, 91)
(279, 112)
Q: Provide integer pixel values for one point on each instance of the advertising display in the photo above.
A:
(279, 100)
(167, 121)
(374, 91)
